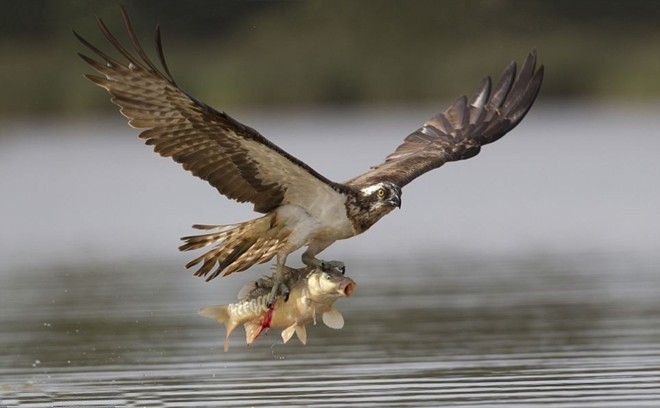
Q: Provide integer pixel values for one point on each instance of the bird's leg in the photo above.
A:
(310, 259)
(279, 287)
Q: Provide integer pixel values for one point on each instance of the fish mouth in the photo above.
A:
(347, 287)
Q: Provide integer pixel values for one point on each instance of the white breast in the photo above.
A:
(325, 221)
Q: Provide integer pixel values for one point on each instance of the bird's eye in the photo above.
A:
(381, 193)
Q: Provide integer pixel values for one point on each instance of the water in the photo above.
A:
(489, 331)
(526, 276)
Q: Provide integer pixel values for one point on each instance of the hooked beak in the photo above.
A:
(395, 201)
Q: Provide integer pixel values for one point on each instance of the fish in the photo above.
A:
(312, 292)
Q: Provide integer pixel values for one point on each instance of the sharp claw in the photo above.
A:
(336, 266)
(278, 290)
(271, 300)
(284, 290)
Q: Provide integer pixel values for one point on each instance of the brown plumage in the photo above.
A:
(459, 132)
(247, 243)
(301, 207)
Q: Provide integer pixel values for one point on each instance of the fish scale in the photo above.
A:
(312, 294)
(253, 307)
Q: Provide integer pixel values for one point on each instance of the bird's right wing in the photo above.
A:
(235, 159)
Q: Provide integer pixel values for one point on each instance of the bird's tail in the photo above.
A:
(237, 246)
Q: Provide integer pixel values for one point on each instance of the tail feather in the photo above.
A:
(211, 227)
(200, 241)
(237, 247)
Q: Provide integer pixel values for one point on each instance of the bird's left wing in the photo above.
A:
(459, 132)
(235, 159)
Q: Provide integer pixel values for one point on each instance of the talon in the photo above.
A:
(333, 266)
(272, 296)
(271, 301)
(278, 290)
(284, 290)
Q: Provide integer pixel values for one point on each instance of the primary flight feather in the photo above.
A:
(301, 207)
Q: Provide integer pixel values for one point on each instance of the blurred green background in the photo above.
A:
(316, 53)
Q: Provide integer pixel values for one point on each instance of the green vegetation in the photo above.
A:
(246, 53)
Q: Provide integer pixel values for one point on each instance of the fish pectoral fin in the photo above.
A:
(252, 331)
(302, 333)
(288, 332)
(333, 319)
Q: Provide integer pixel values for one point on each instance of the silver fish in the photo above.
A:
(312, 293)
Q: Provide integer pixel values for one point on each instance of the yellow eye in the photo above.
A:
(381, 193)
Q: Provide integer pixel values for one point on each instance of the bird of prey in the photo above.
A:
(300, 206)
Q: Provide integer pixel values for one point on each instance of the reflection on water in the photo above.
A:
(583, 330)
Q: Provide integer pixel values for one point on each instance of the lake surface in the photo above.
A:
(578, 331)
(528, 275)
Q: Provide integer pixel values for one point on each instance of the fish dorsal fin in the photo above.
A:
(302, 333)
(252, 331)
(333, 319)
(246, 290)
(256, 288)
(288, 332)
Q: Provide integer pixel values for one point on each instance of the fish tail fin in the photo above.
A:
(236, 247)
(221, 314)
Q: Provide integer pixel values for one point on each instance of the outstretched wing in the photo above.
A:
(232, 157)
(459, 132)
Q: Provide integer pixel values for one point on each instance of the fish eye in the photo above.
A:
(380, 193)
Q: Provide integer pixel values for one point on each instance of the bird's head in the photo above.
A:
(381, 197)
(371, 202)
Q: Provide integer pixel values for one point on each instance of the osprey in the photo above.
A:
(301, 207)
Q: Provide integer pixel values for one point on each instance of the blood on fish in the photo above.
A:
(266, 321)
(268, 317)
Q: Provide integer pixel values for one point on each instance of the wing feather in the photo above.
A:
(459, 132)
(235, 159)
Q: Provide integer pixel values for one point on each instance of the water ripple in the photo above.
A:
(550, 335)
